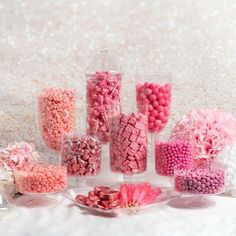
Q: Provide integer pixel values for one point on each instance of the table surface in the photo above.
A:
(169, 217)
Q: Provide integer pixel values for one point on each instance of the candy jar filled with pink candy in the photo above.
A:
(35, 181)
(103, 89)
(57, 114)
(171, 153)
(128, 140)
(199, 181)
(155, 91)
(81, 155)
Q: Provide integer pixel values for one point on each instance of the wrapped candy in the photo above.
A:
(210, 130)
(103, 89)
(18, 155)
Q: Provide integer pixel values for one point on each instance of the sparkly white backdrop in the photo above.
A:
(50, 43)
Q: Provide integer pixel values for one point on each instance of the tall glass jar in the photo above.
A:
(155, 91)
(128, 140)
(103, 89)
(57, 114)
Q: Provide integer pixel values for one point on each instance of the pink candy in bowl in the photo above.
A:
(39, 178)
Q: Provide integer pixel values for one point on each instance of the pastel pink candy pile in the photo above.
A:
(158, 99)
(57, 111)
(81, 155)
(133, 195)
(200, 181)
(41, 179)
(170, 154)
(128, 143)
(103, 89)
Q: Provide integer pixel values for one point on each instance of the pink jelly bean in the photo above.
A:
(57, 114)
(158, 100)
(128, 143)
(106, 86)
(81, 155)
(170, 154)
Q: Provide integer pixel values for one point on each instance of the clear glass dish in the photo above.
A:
(73, 192)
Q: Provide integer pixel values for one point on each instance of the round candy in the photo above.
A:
(158, 99)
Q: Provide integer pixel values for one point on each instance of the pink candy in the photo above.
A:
(199, 181)
(128, 143)
(57, 111)
(170, 154)
(41, 179)
(81, 155)
(103, 89)
(158, 99)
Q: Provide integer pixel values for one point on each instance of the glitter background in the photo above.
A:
(51, 42)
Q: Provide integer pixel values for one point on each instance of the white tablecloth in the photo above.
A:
(165, 219)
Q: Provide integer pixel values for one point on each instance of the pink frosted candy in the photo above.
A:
(57, 114)
(103, 89)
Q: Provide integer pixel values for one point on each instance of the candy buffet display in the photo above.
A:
(128, 143)
(210, 130)
(81, 155)
(227, 158)
(57, 114)
(172, 153)
(157, 95)
(103, 89)
(39, 178)
(207, 180)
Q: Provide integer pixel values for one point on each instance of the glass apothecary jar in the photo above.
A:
(57, 114)
(103, 89)
(155, 90)
(128, 139)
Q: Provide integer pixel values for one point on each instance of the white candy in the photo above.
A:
(227, 157)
